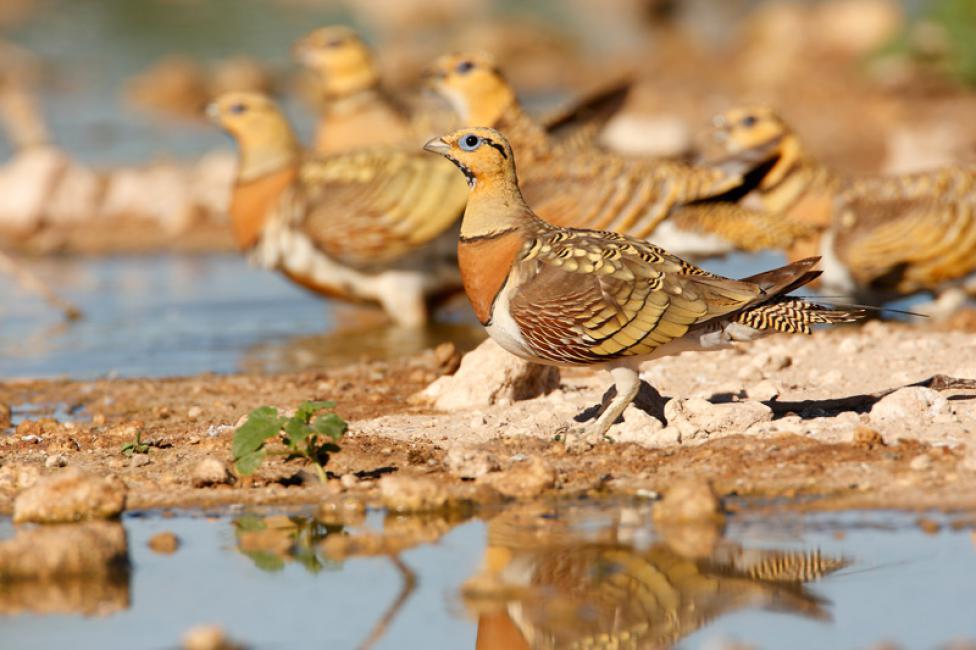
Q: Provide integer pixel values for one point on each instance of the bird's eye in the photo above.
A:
(470, 142)
(464, 67)
(748, 120)
(237, 108)
(335, 42)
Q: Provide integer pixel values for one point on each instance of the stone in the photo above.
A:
(19, 476)
(349, 481)
(209, 637)
(489, 375)
(524, 480)
(912, 403)
(698, 418)
(412, 494)
(688, 501)
(194, 412)
(139, 460)
(867, 437)
(920, 463)
(641, 428)
(772, 361)
(55, 460)
(470, 463)
(164, 543)
(764, 391)
(208, 472)
(69, 496)
(94, 548)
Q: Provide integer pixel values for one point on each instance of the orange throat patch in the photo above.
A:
(252, 201)
(486, 263)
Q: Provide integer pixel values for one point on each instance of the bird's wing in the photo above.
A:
(747, 230)
(606, 192)
(910, 243)
(374, 206)
(578, 124)
(591, 296)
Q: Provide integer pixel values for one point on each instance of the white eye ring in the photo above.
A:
(469, 142)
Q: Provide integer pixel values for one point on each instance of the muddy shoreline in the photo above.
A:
(831, 455)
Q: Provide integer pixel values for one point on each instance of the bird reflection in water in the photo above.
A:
(543, 585)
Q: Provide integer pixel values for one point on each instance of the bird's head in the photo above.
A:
(262, 132)
(337, 53)
(756, 135)
(483, 155)
(747, 128)
(474, 86)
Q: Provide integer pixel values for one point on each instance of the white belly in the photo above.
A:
(685, 243)
(505, 331)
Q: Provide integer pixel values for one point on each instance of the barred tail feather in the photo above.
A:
(795, 315)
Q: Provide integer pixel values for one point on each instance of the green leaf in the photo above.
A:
(296, 430)
(261, 424)
(308, 408)
(331, 426)
(249, 463)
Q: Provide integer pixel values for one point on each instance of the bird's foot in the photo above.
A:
(579, 438)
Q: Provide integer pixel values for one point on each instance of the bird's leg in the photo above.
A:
(626, 378)
(402, 297)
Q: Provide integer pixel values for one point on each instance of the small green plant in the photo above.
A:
(137, 446)
(307, 434)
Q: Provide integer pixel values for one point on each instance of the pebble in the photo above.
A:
(194, 412)
(164, 543)
(139, 460)
(208, 637)
(70, 496)
(468, 463)
(920, 463)
(412, 494)
(699, 418)
(210, 471)
(349, 481)
(867, 437)
(524, 480)
(764, 391)
(55, 460)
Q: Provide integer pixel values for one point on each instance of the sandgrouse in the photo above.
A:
(357, 110)
(880, 237)
(573, 297)
(372, 225)
(587, 188)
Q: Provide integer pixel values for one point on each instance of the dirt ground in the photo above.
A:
(830, 431)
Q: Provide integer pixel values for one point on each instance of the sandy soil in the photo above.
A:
(828, 432)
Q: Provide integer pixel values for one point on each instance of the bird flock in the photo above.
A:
(571, 254)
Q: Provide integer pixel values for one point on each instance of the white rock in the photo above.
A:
(55, 460)
(466, 462)
(489, 375)
(763, 391)
(914, 403)
(643, 429)
(209, 471)
(920, 463)
(698, 418)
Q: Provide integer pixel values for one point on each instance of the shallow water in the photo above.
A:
(553, 574)
(178, 315)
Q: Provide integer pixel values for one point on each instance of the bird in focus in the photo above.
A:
(578, 297)
(880, 237)
(374, 225)
(690, 210)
